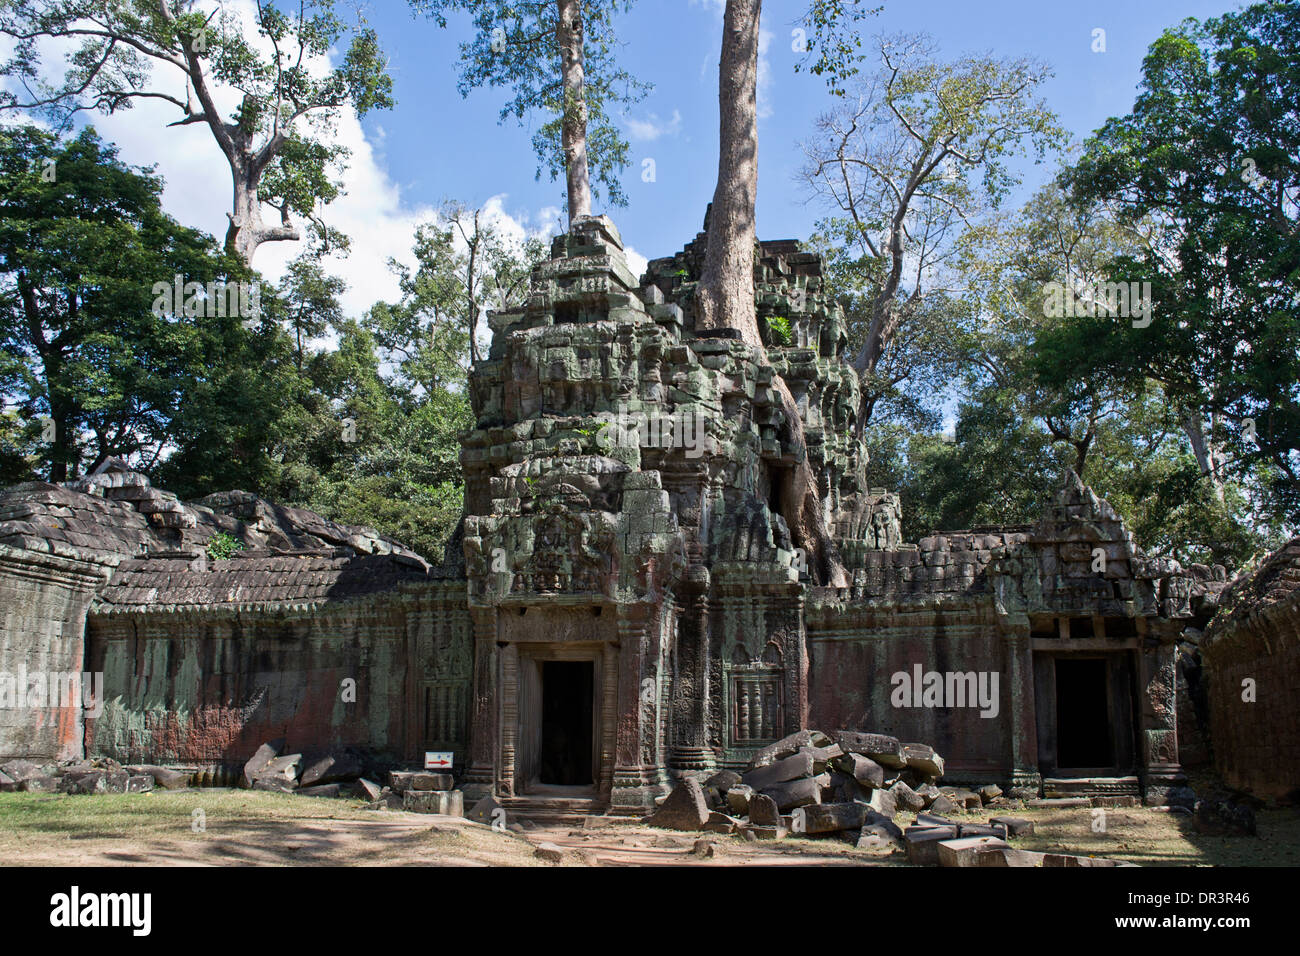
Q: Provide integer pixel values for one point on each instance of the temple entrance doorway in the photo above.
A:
(1084, 737)
(567, 723)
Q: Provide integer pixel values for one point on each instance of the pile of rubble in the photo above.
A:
(331, 774)
(850, 785)
(97, 775)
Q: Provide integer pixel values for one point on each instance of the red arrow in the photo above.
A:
(440, 763)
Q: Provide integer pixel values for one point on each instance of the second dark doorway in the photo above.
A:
(1084, 738)
(567, 711)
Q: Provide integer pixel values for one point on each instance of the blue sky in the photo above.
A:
(437, 145)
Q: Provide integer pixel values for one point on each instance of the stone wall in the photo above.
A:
(855, 649)
(206, 687)
(43, 601)
(1256, 639)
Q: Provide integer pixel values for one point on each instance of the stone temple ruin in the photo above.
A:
(622, 605)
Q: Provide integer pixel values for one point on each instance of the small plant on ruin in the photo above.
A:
(222, 547)
(779, 327)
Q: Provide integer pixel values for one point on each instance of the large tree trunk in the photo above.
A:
(1207, 457)
(569, 36)
(247, 230)
(725, 295)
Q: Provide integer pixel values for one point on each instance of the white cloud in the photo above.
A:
(653, 127)
(372, 210)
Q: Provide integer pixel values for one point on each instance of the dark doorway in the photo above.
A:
(567, 722)
(1084, 738)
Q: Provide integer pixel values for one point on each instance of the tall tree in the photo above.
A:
(724, 297)
(914, 156)
(89, 348)
(1210, 155)
(557, 57)
(277, 141)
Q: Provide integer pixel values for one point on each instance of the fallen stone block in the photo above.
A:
(944, 804)
(964, 851)
(788, 746)
(139, 783)
(449, 803)
(822, 756)
(487, 811)
(933, 819)
(19, 770)
(779, 771)
(922, 843)
(966, 799)
(285, 768)
(1060, 803)
(1016, 826)
(40, 784)
(906, 798)
(432, 781)
(115, 781)
(162, 777)
(7, 783)
(723, 780)
(704, 849)
(765, 832)
(388, 800)
(884, 802)
(885, 828)
(719, 822)
(369, 791)
(259, 761)
(763, 811)
(982, 830)
(738, 798)
(886, 751)
(84, 783)
(928, 793)
(828, 818)
(863, 769)
(875, 841)
(794, 793)
(684, 809)
(330, 768)
(989, 792)
(923, 760)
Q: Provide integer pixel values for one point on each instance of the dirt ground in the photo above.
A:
(237, 827)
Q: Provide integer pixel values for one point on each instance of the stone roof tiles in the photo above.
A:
(1276, 580)
(258, 578)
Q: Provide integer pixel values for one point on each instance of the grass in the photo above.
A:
(219, 826)
(254, 828)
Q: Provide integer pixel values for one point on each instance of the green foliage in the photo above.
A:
(278, 140)
(1211, 159)
(835, 47)
(514, 46)
(222, 547)
(83, 341)
(779, 328)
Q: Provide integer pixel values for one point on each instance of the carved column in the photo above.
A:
(636, 781)
(690, 693)
(1161, 769)
(1022, 718)
(480, 778)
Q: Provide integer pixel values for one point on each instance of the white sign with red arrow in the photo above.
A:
(437, 760)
